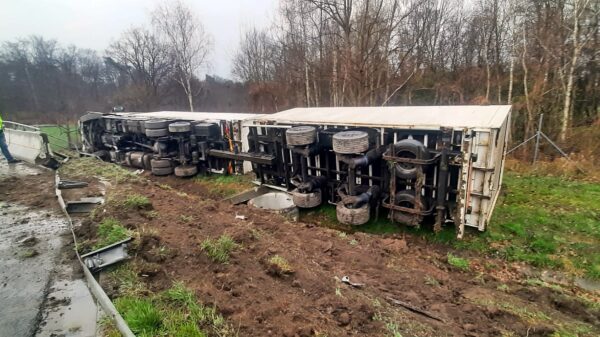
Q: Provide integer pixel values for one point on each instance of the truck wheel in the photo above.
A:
(352, 216)
(301, 135)
(157, 132)
(186, 171)
(160, 163)
(350, 142)
(156, 124)
(147, 161)
(408, 199)
(179, 127)
(306, 200)
(409, 149)
(162, 171)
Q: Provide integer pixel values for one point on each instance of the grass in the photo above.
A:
(57, 136)
(220, 249)
(173, 312)
(224, 186)
(110, 231)
(458, 262)
(91, 166)
(137, 201)
(548, 222)
(281, 264)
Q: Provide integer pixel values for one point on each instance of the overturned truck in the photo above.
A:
(423, 165)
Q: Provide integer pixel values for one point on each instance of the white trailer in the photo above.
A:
(478, 141)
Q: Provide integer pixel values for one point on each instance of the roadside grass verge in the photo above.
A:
(223, 186)
(548, 222)
(172, 312)
(219, 250)
(110, 231)
(137, 201)
(57, 136)
(91, 166)
(545, 221)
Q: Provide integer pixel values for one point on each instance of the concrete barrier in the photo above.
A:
(26, 142)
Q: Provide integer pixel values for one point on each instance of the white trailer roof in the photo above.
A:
(193, 116)
(409, 117)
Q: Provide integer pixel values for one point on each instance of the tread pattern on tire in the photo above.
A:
(185, 171)
(350, 142)
(157, 132)
(162, 171)
(160, 163)
(413, 149)
(156, 124)
(407, 218)
(178, 127)
(352, 216)
(307, 200)
(301, 135)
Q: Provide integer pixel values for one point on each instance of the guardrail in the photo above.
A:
(26, 142)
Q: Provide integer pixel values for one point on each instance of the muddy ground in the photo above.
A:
(492, 298)
(41, 291)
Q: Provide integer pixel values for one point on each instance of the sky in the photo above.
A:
(94, 24)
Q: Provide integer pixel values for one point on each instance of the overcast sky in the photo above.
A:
(95, 23)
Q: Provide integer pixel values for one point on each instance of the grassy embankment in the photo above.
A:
(548, 222)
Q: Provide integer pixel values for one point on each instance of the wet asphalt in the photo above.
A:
(39, 295)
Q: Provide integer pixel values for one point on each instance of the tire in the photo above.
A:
(186, 171)
(301, 135)
(147, 161)
(160, 163)
(157, 132)
(408, 199)
(410, 149)
(134, 159)
(179, 127)
(350, 142)
(307, 200)
(352, 216)
(156, 124)
(162, 171)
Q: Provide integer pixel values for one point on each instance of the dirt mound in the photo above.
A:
(284, 279)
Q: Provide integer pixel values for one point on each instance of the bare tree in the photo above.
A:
(146, 59)
(189, 43)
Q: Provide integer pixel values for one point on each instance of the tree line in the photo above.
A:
(541, 56)
(146, 68)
